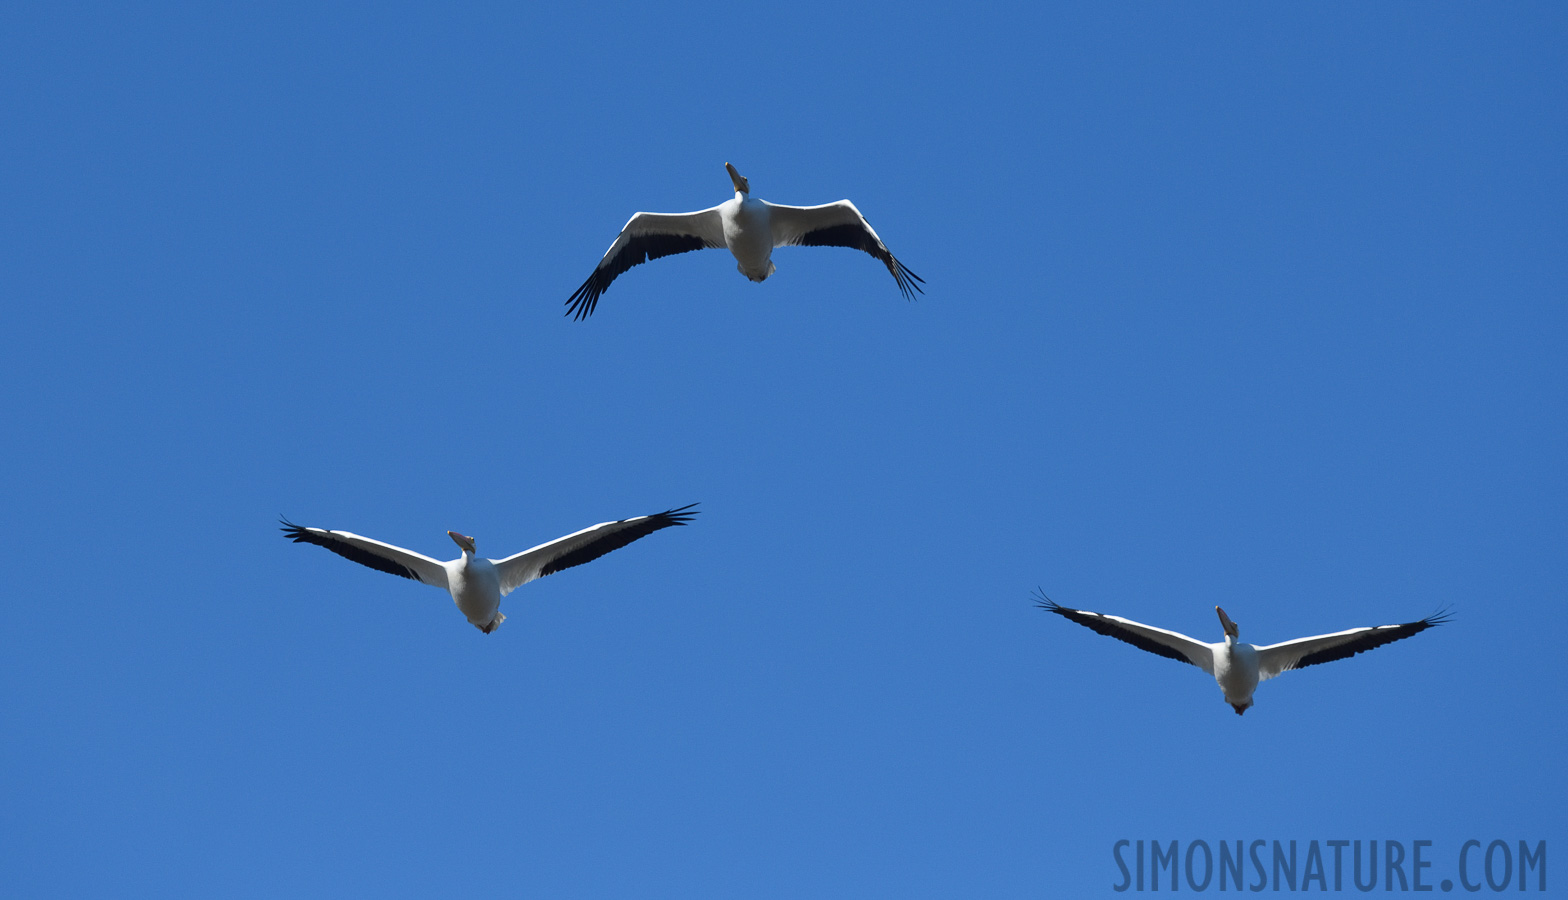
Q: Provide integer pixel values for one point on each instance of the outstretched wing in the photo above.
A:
(1170, 644)
(583, 546)
(372, 553)
(647, 236)
(838, 225)
(1309, 651)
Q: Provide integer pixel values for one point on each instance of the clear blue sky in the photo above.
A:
(1258, 306)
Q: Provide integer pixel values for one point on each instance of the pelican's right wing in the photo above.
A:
(838, 225)
(1276, 659)
(647, 236)
(372, 553)
(583, 546)
(1171, 644)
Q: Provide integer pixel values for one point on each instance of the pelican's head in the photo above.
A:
(467, 543)
(1230, 627)
(741, 184)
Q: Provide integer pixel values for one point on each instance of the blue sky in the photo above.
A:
(1252, 306)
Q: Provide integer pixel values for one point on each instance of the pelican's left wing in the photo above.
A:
(1309, 651)
(647, 236)
(582, 546)
(838, 225)
(1159, 641)
(378, 555)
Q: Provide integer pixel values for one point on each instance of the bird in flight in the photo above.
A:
(1236, 666)
(478, 584)
(749, 228)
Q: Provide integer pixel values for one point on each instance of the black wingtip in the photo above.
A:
(903, 276)
(681, 515)
(291, 531)
(1046, 603)
(583, 300)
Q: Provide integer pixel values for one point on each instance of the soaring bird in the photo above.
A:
(750, 228)
(477, 584)
(1236, 666)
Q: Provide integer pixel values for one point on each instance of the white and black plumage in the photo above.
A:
(1238, 667)
(477, 584)
(749, 228)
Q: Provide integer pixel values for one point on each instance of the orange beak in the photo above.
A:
(1230, 627)
(739, 180)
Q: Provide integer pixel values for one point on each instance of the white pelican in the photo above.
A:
(750, 228)
(476, 584)
(1236, 666)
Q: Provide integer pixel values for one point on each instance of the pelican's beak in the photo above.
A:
(467, 543)
(741, 184)
(1230, 627)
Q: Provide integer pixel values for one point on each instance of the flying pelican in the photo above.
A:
(476, 584)
(1236, 666)
(750, 228)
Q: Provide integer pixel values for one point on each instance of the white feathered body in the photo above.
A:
(1236, 670)
(748, 233)
(476, 589)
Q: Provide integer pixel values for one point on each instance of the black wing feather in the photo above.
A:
(1097, 623)
(638, 250)
(346, 550)
(1372, 640)
(857, 238)
(618, 539)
